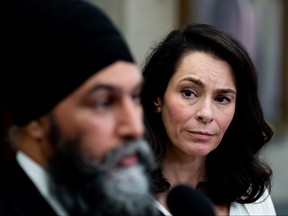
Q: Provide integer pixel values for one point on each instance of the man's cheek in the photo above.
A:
(93, 148)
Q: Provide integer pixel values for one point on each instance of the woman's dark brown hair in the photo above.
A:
(234, 170)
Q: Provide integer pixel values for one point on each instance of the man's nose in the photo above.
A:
(130, 120)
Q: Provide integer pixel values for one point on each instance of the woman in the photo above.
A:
(205, 122)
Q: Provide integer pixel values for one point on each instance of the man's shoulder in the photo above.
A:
(9, 188)
(19, 196)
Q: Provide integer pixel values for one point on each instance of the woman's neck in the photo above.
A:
(183, 170)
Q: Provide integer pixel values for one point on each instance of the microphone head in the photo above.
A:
(184, 200)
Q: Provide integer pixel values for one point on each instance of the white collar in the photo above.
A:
(40, 178)
(161, 208)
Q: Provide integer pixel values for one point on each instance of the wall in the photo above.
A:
(142, 22)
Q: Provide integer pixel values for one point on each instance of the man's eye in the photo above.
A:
(101, 103)
(188, 93)
(136, 97)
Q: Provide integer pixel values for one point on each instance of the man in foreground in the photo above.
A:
(72, 89)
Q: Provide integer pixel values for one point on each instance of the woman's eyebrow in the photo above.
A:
(226, 90)
(193, 80)
(201, 84)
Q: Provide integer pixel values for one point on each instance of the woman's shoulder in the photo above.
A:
(263, 206)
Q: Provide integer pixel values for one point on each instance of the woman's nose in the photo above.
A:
(205, 111)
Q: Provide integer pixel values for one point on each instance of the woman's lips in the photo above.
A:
(200, 135)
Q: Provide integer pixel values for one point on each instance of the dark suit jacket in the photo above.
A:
(19, 196)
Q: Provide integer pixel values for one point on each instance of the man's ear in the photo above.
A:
(158, 104)
(37, 128)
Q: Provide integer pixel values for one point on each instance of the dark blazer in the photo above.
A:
(19, 196)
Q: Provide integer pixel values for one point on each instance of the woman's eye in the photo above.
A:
(188, 93)
(223, 99)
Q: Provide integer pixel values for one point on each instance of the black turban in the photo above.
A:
(48, 49)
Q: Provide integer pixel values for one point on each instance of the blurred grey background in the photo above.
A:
(261, 25)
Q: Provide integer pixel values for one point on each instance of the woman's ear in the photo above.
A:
(158, 104)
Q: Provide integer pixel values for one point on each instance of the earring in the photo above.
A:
(157, 106)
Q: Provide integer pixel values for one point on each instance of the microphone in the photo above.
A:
(184, 200)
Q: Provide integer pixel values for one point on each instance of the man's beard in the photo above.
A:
(85, 186)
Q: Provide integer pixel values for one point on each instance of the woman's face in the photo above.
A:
(199, 104)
